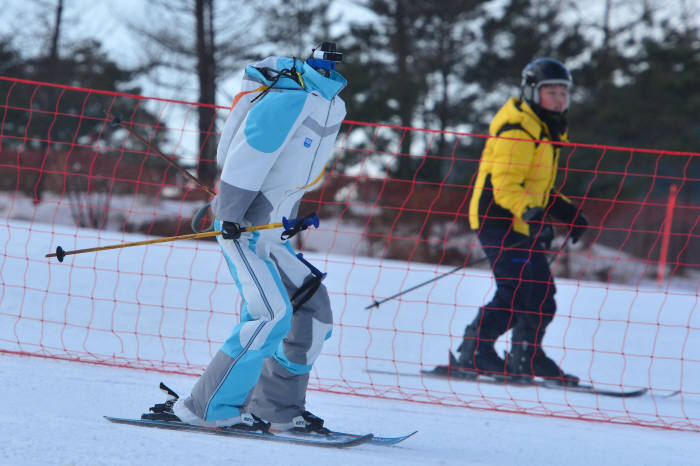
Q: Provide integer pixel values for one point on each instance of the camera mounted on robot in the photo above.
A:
(325, 57)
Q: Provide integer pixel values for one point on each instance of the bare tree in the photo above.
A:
(446, 49)
(45, 27)
(387, 77)
(620, 26)
(207, 39)
(56, 33)
(294, 27)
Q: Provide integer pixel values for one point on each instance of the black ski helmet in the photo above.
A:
(540, 72)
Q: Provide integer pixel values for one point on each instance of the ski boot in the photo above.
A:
(527, 361)
(166, 412)
(246, 421)
(305, 423)
(478, 356)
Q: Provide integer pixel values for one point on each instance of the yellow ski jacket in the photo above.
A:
(514, 175)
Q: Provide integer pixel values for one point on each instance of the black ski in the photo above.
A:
(453, 372)
(329, 441)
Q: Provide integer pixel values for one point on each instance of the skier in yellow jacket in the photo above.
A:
(511, 203)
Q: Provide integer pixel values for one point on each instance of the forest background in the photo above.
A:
(445, 66)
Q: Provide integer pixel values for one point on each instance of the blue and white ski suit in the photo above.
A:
(272, 149)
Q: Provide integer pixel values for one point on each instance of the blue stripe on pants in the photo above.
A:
(263, 325)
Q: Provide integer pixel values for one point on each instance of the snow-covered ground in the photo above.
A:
(52, 414)
(170, 306)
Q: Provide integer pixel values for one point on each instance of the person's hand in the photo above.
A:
(230, 230)
(578, 228)
(540, 231)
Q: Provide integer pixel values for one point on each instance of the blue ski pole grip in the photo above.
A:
(302, 222)
(295, 225)
(313, 220)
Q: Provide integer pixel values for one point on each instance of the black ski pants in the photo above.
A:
(524, 298)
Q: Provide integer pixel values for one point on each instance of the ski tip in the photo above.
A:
(117, 420)
(390, 441)
(356, 441)
(641, 391)
(625, 394)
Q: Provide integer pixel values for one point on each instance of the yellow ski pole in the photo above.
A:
(292, 227)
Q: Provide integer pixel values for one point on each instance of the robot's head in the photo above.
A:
(325, 57)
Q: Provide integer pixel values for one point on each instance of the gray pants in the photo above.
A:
(280, 394)
(264, 366)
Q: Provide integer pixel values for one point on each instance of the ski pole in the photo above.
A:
(382, 301)
(117, 121)
(292, 227)
(449, 272)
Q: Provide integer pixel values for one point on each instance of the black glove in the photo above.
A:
(230, 230)
(540, 231)
(578, 228)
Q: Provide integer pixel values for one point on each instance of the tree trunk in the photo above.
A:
(404, 85)
(56, 33)
(206, 169)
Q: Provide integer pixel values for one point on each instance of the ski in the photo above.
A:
(452, 372)
(586, 388)
(376, 440)
(440, 372)
(328, 441)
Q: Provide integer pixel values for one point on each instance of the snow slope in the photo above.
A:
(52, 414)
(139, 303)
